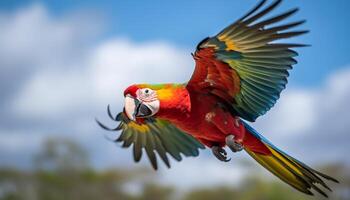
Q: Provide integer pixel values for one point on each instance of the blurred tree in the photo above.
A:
(152, 191)
(63, 173)
(342, 172)
(61, 154)
(256, 187)
(15, 185)
(222, 193)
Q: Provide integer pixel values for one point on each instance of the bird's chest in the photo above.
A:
(199, 124)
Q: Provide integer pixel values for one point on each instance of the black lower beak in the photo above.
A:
(142, 110)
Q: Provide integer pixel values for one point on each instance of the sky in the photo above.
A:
(62, 62)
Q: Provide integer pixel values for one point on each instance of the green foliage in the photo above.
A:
(156, 192)
(222, 193)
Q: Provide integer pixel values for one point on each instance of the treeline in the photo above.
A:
(62, 172)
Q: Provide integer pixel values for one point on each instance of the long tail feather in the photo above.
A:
(288, 169)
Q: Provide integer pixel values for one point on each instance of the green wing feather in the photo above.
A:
(154, 136)
(261, 64)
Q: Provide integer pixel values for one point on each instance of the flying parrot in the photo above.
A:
(238, 76)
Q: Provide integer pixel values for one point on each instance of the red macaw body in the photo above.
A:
(238, 77)
(206, 119)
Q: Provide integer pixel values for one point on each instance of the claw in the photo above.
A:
(237, 120)
(232, 144)
(220, 153)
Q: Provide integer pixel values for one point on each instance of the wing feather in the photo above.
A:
(154, 136)
(244, 64)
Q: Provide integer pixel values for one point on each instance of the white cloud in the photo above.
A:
(300, 111)
(110, 68)
(49, 93)
(337, 90)
(31, 38)
(118, 63)
(294, 113)
(64, 79)
(205, 172)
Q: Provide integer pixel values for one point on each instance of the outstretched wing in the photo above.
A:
(155, 136)
(244, 65)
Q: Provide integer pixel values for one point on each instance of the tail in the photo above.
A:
(288, 169)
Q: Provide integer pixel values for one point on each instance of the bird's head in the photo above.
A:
(141, 101)
(145, 100)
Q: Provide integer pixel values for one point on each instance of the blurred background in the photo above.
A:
(62, 62)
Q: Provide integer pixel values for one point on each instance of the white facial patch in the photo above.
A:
(149, 97)
(146, 95)
(153, 105)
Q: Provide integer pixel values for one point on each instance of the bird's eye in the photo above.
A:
(146, 92)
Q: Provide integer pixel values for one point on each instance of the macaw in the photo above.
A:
(238, 76)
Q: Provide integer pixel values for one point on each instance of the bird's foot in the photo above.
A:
(220, 153)
(237, 121)
(232, 144)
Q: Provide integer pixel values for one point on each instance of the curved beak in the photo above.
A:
(135, 108)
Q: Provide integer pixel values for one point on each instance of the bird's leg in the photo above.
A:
(230, 139)
(220, 153)
(232, 144)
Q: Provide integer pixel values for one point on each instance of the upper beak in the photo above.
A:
(135, 108)
(130, 106)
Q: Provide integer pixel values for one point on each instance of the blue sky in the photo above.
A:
(185, 23)
(62, 62)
